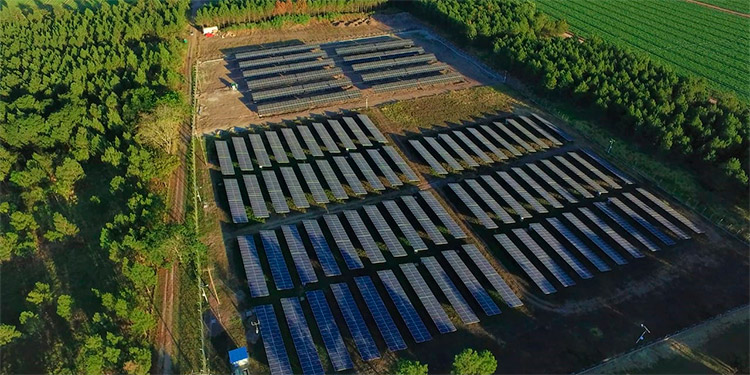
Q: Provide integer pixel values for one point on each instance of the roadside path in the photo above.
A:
(725, 10)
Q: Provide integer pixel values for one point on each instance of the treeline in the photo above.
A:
(640, 98)
(89, 111)
(228, 12)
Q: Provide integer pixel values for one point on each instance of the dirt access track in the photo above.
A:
(224, 108)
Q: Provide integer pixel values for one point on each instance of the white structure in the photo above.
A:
(210, 30)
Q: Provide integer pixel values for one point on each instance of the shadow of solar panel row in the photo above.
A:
(257, 84)
(451, 77)
(294, 67)
(256, 63)
(274, 51)
(390, 63)
(403, 72)
(305, 88)
(371, 47)
(382, 54)
(306, 103)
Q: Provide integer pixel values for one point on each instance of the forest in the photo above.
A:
(90, 107)
(637, 97)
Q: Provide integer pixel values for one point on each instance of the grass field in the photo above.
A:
(692, 38)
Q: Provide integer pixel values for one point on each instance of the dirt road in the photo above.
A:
(720, 8)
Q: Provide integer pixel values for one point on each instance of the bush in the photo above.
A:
(407, 367)
(469, 362)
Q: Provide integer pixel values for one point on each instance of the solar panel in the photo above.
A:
(519, 141)
(273, 343)
(276, 260)
(306, 102)
(380, 46)
(666, 207)
(348, 252)
(291, 67)
(299, 254)
(625, 225)
(549, 181)
(522, 192)
(472, 205)
(332, 180)
(564, 176)
(401, 164)
(363, 236)
(353, 318)
(541, 131)
(278, 150)
(328, 142)
(442, 214)
(364, 167)
(310, 141)
(381, 54)
(372, 128)
(450, 291)
(471, 282)
(236, 206)
(430, 303)
(642, 222)
(427, 156)
(536, 276)
(225, 160)
(458, 150)
(293, 143)
(301, 337)
(274, 190)
(385, 169)
(357, 131)
(473, 147)
(256, 281)
(383, 319)
(553, 128)
(332, 339)
(578, 224)
(448, 158)
(301, 89)
(487, 144)
(259, 149)
(421, 82)
(403, 224)
(657, 216)
(288, 79)
(308, 174)
(578, 244)
(632, 250)
(581, 175)
(402, 72)
(505, 196)
(405, 308)
(323, 252)
(385, 232)
(595, 170)
(341, 134)
(389, 63)
(274, 51)
(566, 256)
(609, 167)
(243, 158)
(280, 59)
(298, 196)
(550, 264)
(492, 276)
(424, 221)
(538, 188)
(257, 203)
(513, 149)
(351, 178)
(485, 197)
(527, 133)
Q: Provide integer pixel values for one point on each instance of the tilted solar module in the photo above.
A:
(274, 51)
(595, 185)
(442, 214)
(351, 178)
(332, 180)
(552, 127)
(363, 236)
(448, 158)
(505, 196)
(424, 221)
(257, 202)
(401, 164)
(278, 150)
(630, 248)
(353, 318)
(301, 89)
(405, 308)
(319, 244)
(369, 174)
(578, 244)
(566, 256)
(450, 291)
(642, 222)
(319, 195)
(279, 271)
(383, 319)
(257, 84)
(541, 131)
(389, 63)
(301, 337)
(236, 206)
(430, 303)
(299, 254)
(292, 67)
(421, 82)
(458, 150)
(513, 149)
(259, 149)
(298, 196)
(487, 144)
(385, 169)
(658, 217)
(538, 188)
(381, 54)
(293, 143)
(332, 339)
(307, 102)
(550, 264)
(529, 268)
(492, 276)
(403, 224)
(344, 244)
(471, 282)
(273, 343)
(602, 176)
(225, 159)
(472, 205)
(609, 167)
(485, 197)
(551, 182)
(519, 141)
(564, 176)
(527, 133)
(403, 72)
(522, 192)
(379, 46)
(274, 190)
(578, 224)
(372, 128)
(357, 131)
(312, 144)
(243, 158)
(341, 134)
(473, 147)
(326, 138)
(281, 59)
(427, 156)
(666, 207)
(253, 270)
(385, 232)
(625, 225)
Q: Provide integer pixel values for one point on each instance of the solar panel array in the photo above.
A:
(561, 251)
(364, 237)
(519, 141)
(450, 291)
(374, 55)
(274, 190)
(357, 131)
(299, 254)
(502, 141)
(253, 270)
(276, 261)
(385, 232)
(385, 169)
(298, 196)
(492, 276)
(550, 264)
(424, 221)
(405, 226)
(442, 214)
(527, 133)
(343, 243)
(475, 288)
(553, 183)
(243, 157)
(236, 206)
(657, 216)
(478, 212)
(292, 67)
(351, 178)
(595, 185)
(331, 180)
(529, 268)
(398, 61)
(365, 169)
(353, 318)
(257, 202)
(401, 164)
(430, 303)
(487, 144)
(301, 337)
(538, 188)
(225, 160)
(323, 252)
(485, 197)
(273, 343)
(564, 176)
(311, 179)
(403, 72)
(274, 51)
(410, 316)
(522, 192)
(332, 339)
(370, 47)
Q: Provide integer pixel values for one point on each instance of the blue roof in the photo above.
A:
(237, 355)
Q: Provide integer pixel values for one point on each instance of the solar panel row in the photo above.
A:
(357, 131)
(405, 308)
(374, 131)
(298, 104)
(602, 176)
(578, 244)
(351, 178)
(236, 205)
(492, 276)
(666, 207)
(527, 133)
(642, 222)
(541, 131)
(579, 225)
(382, 54)
(312, 144)
(473, 147)
(450, 291)
(298, 196)
(519, 141)
(225, 160)
(485, 197)
(332, 339)
(550, 264)
(506, 197)
(243, 157)
(451, 77)
(293, 143)
(274, 191)
(538, 188)
(401, 164)
(365, 169)
(300, 89)
(311, 179)
(424, 221)
(253, 271)
(447, 157)
(626, 226)
(403, 72)
(301, 337)
(299, 255)
(328, 141)
(522, 192)
(274, 51)
(475, 288)
(379, 46)
(458, 150)
(529, 268)
(428, 300)
(513, 150)
(276, 261)
(405, 226)
(293, 67)
(255, 84)
(399, 61)
(442, 214)
(385, 232)
(561, 251)
(472, 205)
(319, 244)
(259, 149)
(487, 144)
(333, 182)
(363, 236)
(274, 60)
(385, 169)
(344, 244)
(273, 343)
(354, 321)
(341, 134)
(257, 202)
(622, 242)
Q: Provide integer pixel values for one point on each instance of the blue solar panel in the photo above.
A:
(424, 220)
(642, 222)
(303, 341)
(450, 291)
(278, 361)
(525, 264)
(566, 256)
(553, 267)
(625, 225)
(319, 244)
(332, 339)
(471, 282)
(578, 244)
(405, 226)
(442, 214)
(361, 335)
(255, 279)
(348, 252)
(276, 260)
(630, 248)
(383, 320)
(404, 307)
(430, 303)
(492, 276)
(299, 254)
(385, 231)
(364, 237)
(578, 224)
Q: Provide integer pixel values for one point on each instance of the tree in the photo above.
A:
(469, 362)
(64, 306)
(8, 333)
(40, 294)
(62, 228)
(407, 367)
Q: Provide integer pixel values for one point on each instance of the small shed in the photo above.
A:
(238, 358)
(212, 30)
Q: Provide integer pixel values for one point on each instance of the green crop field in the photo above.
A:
(694, 39)
(735, 5)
